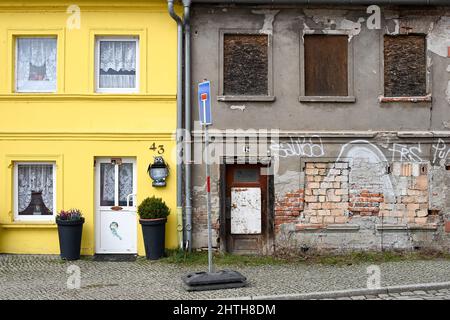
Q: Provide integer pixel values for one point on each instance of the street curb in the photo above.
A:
(350, 292)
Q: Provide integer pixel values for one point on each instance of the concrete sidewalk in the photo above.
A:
(46, 277)
(418, 291)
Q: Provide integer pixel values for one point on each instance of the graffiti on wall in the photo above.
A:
(310, 147)
(405, 153)
(441, 152)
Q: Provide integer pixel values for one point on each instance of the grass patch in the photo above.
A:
(219, 258)
(352, 258)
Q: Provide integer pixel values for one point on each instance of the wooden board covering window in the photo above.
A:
(326, 65)
(404, 66)
(245, 64)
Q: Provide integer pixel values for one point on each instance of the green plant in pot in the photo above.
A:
(153, 214)
(70, 229)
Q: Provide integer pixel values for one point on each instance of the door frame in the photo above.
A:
(268, 238)
(98, 208)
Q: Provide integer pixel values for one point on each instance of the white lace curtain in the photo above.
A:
(117, 64)
(35, 178)
(109, 183)
(36, 64)
(125, 183)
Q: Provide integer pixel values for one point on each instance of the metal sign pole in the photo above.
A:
(223, 279)
(208, 193)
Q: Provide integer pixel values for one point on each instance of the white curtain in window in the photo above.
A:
(125, 182)
(36, 64)
(108, 184)
(35, 178)
(117, 64)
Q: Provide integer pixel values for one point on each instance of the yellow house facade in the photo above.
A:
(87, 100)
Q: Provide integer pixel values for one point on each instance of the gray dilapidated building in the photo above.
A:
(349, 107)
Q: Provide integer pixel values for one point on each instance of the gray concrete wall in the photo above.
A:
(407, 176)
(405, 208)
(287, 27)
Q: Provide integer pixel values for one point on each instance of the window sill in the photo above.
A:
(424, 227)
(342, 99)
(426, 98)
(84, 97)
(406, 227)
(343, 227)
(308, 227)
(391, 227)
(29, 225)
(246, 98)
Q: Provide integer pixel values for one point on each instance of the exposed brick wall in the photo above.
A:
(354, 204)
(365, 203)
(326, 192)
(288, 208)
(333, 194)
(412, 200)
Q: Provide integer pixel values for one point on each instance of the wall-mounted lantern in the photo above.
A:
(158, 171)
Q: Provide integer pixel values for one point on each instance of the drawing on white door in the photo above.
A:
(116, 222)
(114, 226)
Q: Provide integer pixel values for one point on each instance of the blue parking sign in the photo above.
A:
(204, 103)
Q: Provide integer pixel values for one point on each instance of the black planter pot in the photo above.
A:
(154, 232)
(69, 233)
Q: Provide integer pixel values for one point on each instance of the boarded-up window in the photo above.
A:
(404, 66)
(326, 65)
(245, 64)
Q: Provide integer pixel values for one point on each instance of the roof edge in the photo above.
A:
(330, 2)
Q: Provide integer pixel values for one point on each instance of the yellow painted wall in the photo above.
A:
(74, 125)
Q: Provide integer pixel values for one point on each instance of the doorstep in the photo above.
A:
(115, 257)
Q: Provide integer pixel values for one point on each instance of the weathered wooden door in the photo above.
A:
(246, 209)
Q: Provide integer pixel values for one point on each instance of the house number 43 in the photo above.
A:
(159, 148)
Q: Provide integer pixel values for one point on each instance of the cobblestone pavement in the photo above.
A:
(442, 294)
(45, 277)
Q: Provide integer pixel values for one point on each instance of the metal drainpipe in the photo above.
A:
(187, 118)
(180, 222)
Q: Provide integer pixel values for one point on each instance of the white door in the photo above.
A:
(116, 222)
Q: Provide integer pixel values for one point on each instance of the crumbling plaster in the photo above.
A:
(423, 127)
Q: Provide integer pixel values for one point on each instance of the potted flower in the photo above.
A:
(153, 214)
(70, 227)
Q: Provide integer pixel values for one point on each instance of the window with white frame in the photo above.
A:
(35, 191)
(36, 64)
(117, 64)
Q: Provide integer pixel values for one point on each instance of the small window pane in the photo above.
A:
(35, 189)
(36, 65)
(125, 183)
(246, 175)
(405, 66)
(117, 64)
(107, 188)
(326, 72)
(245, 65)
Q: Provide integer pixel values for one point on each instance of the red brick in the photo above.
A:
(447, 226)
(292, 195)
(420, 220)
(340, 219)
(300, 227)
(328, 219)
(295, 213)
